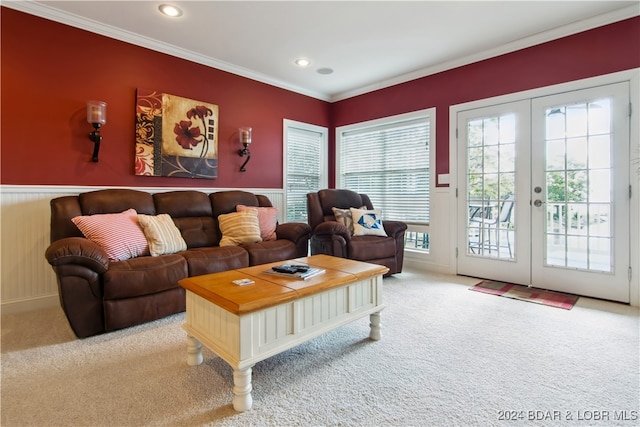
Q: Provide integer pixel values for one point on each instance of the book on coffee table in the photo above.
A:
(293, 271)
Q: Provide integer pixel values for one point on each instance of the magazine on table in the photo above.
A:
(295, 271)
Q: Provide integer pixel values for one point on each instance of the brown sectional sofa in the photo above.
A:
(99, 295)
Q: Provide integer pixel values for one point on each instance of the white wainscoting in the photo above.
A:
(27, 281)
(441, 256)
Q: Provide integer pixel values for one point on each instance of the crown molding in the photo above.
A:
(77, 189)
(52, 14)
(546, 36)
(47, 12)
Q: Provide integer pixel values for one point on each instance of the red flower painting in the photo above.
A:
(175, 136)
(189, 137)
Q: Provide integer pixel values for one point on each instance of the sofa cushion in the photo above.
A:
(224, 202)
(183, 203)
(215, 259)
(367, 222)
(144, 275)
(239, 227)
(116, 200)
(267, 220)
(119, 235)
(191, 212)
(198, 231)
(162, 234)
(365, 248)
(271, 251)
(122, 313)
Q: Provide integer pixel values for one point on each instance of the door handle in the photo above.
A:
(537, 203)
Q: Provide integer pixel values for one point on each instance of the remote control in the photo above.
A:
(285, 269)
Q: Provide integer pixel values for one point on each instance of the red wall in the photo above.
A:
(603, 50)
(50, 70)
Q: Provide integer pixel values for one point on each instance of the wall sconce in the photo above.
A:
(97, 116)
(245, 138)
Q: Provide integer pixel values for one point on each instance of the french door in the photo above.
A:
(543, 192)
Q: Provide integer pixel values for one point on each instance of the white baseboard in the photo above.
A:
(30, 304)
(422, 265)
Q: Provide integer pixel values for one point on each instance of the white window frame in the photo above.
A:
(430, 115)
(322, 160)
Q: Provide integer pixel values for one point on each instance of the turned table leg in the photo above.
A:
(375, 326)
(242, 400)
(194, 351)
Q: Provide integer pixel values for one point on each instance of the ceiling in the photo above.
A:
(367, 44)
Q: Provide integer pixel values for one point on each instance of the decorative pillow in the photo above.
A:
(267, 220)
(118, 234)
(343, 216)
(367, 222)
(162, 234)
(239, 228)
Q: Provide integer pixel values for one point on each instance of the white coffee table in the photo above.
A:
(246, 324)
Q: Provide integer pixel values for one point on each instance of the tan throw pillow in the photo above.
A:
(162, 234)
(367, 222)
(344, 217)
(267, 220)
(119, 235)
(239, 228)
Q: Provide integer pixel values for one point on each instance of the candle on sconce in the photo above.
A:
(245, 135)
(97, 112)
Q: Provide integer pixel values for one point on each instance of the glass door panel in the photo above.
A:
(578, 190)
(580, 232)
(491, 186)
(490, 140)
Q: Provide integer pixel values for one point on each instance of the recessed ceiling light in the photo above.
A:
(302, 62)
(170, 10)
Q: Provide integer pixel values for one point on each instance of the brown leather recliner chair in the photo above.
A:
(333, 238)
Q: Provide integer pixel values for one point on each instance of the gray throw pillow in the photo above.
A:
(343, 216)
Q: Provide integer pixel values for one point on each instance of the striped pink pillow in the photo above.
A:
(267, 219)
(118, 234)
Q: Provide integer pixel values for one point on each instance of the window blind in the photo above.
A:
(390, 163)
(304, 151)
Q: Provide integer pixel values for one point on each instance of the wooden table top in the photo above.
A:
(269, 290)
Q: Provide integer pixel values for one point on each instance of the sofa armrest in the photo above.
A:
(328, 229)
(394, 228)
(78, 251)
(79, 264)
(293, 231)
(330, 238)
(297, 232)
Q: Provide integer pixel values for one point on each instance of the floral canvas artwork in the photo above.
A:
(175, 136)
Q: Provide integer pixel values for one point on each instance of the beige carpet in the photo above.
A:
(448, 357)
